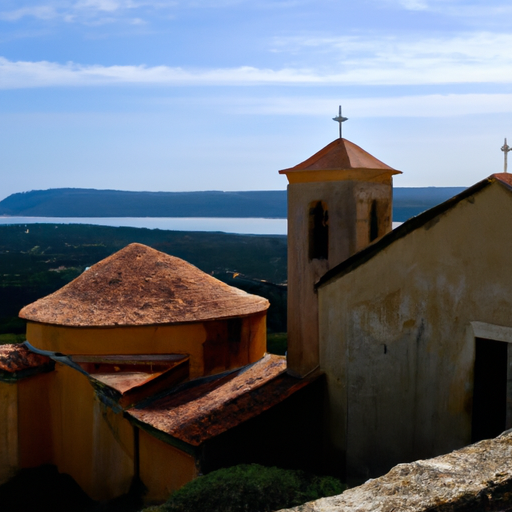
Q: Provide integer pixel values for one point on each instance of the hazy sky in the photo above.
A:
(220, 94)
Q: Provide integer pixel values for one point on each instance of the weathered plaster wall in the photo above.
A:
(349, 205)
(394, 335)
(475, 479)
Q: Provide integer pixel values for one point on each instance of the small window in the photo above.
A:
(374, 222)
(318, 231)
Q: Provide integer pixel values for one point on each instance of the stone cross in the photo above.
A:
(505, 148)
(340, 119)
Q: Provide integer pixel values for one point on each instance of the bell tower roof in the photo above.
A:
(341, 159)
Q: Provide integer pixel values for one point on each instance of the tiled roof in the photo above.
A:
(340, 154)
(17, 361)
(504, 177)
(141, 286)
(198, 413)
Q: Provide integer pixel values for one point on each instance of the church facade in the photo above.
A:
(416, 335)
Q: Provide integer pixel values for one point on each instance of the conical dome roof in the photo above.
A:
(139, 285)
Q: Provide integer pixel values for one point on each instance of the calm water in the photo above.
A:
(227, 225)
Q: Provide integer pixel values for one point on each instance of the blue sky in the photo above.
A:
(182, 95)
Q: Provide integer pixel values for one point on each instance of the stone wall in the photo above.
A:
(474, 479)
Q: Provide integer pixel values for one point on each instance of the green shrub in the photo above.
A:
(277, 343)
(250, 488)
(12, 338)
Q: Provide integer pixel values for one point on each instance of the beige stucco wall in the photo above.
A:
(394, 339)
(348, 203)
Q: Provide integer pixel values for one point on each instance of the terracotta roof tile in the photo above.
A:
(504, 177)
(17, 358)
(202, 412)
(141, 286)
(340, 154)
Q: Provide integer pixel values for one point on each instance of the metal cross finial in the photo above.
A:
(340, 119)
(506, 148)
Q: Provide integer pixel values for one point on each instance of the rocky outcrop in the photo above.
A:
(475, 478)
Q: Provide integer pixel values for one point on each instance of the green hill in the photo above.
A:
(39, 260)
(76, 202)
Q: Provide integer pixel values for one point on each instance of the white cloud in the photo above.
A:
(100, 5)
(460, 9)
(414, 5)
(469, 57)
(416, 67)
(433, 105)
(42, 74)
(466, 58)
(44, 12)
(83, 10)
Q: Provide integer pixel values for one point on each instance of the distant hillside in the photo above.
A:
(408, 202)
(76, 202)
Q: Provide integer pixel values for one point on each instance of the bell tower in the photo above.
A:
(339, 201)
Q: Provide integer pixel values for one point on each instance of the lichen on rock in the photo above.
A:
(475, 478)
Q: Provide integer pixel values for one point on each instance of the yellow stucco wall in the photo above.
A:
(25, 424)
(163, 468)
(158, 339)
(91, 443)
(393, 335)
(163, 339)
(9, 455)
(35, 420)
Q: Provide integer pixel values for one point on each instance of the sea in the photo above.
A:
(243, 226)
(248, 226)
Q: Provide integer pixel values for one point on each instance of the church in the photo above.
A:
(146, 369)
(410, 326)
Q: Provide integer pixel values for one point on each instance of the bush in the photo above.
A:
(277, 343)
(250, 488)
(12, 338)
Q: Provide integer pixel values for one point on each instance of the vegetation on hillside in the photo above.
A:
(38, 259)
(250, 488)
